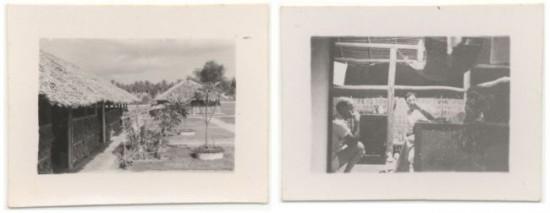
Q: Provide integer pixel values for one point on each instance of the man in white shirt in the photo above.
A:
(414, 114)
(346, 148)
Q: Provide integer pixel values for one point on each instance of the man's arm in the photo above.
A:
(345, 135)
(351, 140)
(425, 113)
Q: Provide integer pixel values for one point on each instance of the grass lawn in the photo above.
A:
(180, 158)
(178, 152)
(228, 108)
(230, 120)
(215, 133)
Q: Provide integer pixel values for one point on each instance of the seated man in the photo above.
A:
(346, 148)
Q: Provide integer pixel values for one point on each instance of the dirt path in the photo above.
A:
(105, 161)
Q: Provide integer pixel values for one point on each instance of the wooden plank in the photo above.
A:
(504, 79)
(361, 87)
(103, 127)
(376, 45)
(492, 66)
(424, 88)
(332, 46)
(391, 92)
(399, 87)
(365, 60)
(466, 82)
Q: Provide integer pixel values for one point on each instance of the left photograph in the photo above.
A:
(136, 105)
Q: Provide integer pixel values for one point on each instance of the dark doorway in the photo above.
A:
(60, 146)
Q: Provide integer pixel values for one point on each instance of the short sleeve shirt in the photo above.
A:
(340, 130)
(412, 118)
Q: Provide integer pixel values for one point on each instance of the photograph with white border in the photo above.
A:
(135, 104)
(349, 54)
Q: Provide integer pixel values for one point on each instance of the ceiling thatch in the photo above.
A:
(65, 84)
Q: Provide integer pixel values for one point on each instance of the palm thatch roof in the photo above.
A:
(65, 84)
(184, 91)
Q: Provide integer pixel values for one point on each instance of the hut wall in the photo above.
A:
(44, 149)
(46, 136)
(113, 122)
(86, 137)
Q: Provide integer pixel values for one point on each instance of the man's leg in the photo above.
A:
(355, 154)
(334, 165)
(411, 159)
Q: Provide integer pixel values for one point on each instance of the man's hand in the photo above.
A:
(351, 140)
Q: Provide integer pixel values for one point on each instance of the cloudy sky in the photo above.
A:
(145, 59)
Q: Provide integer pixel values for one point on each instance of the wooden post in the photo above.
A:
(327, 62)
(391, 101)
(467, 77)
(103, 127)
(70, 138)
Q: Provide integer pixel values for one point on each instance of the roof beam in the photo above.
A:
(376, 45)
(366, 61)
(399, 87)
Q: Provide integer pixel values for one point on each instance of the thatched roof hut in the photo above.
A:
(193, 95)
(78, 114)
(183, 92)
(65, 84)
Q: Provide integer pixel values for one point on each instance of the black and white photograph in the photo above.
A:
(416, 104)
(136, 105)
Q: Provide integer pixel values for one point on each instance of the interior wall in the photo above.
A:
(320, 69)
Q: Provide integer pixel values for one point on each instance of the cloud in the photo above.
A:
(142, 59)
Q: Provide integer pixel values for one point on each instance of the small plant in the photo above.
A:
(169, 117)
(143, 139)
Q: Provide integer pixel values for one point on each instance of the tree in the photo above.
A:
(211, 77)
(211, 72)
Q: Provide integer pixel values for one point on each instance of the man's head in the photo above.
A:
(410, 97)
(344, 107)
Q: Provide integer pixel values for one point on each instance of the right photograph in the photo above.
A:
(415, 104)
